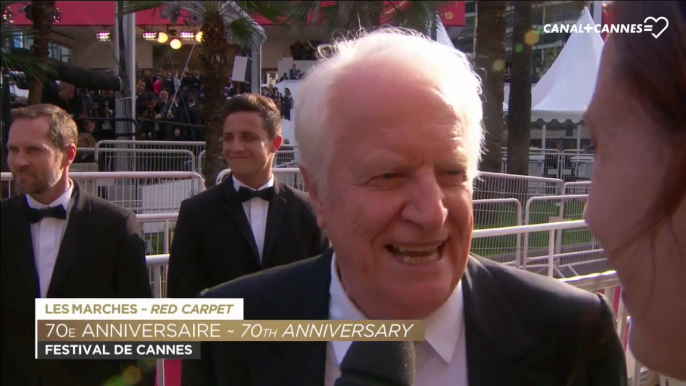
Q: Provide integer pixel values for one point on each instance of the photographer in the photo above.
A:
(165, 110)
(147, 116)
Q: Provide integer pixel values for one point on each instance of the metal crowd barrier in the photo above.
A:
(201, 161)
(129, 133)
(575, 247)
(579, 187)
(489, 185)
(498, 185)
(140, 192)
(506, 248)
(148, 160)
(498, 213)
(568, 165)
(124, 155)
(134, 155)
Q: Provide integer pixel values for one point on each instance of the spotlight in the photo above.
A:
(186, 35)
(103, 36)
(198, 37)
(175, 44)
(149, 35)
(162, 37)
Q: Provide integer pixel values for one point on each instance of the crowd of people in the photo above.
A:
(305, 51)
(284, 102)
(168, 107)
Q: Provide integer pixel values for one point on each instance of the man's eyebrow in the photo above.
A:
(382, 160)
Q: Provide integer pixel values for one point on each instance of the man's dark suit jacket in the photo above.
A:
(102, 255)
(213, 242)
(521, 329)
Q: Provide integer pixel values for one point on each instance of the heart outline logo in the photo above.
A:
(657, 20)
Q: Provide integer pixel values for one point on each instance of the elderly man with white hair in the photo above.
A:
(389, 128)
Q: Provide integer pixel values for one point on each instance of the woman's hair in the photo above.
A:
(654, 69)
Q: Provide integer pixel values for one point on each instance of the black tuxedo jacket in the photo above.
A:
(521, 329)
(102, 255)
(213, 242)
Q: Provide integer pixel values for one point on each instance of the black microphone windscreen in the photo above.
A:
(378, 364)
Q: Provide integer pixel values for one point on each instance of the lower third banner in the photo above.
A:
(118, 350)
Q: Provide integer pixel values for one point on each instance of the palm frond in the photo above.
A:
(418, 15)
(241, 31)
(316, 13)
(274, 11)
(130, 7)
(329, 16)
(202, 7)
(376, 9)
(303, 13)
(5, 4)
(21, 59)
(25, 62)
(299, 14)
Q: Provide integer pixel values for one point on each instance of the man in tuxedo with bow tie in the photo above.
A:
(60, 242)
(391, 181)
(248, 222)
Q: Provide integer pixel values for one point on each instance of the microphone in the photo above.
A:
(378, 364)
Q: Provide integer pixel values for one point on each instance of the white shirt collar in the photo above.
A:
(442, 327)
(237, 184)
(61, 200)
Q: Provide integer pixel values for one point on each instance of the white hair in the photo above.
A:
(439, 66)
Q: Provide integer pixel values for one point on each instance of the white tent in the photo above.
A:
(566, 89)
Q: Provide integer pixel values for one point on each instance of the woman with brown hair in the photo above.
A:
(637, 205)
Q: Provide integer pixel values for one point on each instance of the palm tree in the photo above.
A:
(490, 59)
(41, 13)
(21, 60)
(24, 61)
(351, 16)
(519, 104)
(226, 27)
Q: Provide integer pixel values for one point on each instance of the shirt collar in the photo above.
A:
(61, 200)
(443, 327)
(238, 184)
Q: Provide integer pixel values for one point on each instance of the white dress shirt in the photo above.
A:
(439, 361)
(46, 237)
(256, 211)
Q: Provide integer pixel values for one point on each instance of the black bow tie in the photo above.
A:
(245, 194)
(35, 215)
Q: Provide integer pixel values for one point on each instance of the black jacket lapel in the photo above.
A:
(237, 213)
(277, 209)
(302, 363)
(496, 340)
(23, 245)
(78, 224)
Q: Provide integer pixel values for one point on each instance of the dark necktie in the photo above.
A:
(35, 215)
(245, 194)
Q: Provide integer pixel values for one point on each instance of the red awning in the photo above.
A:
(90, 13)
(101, 13)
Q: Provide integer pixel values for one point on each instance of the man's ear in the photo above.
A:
(69, 154)
(316, 197)
(276, 143)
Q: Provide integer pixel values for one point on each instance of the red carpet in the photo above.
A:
(172, 373)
